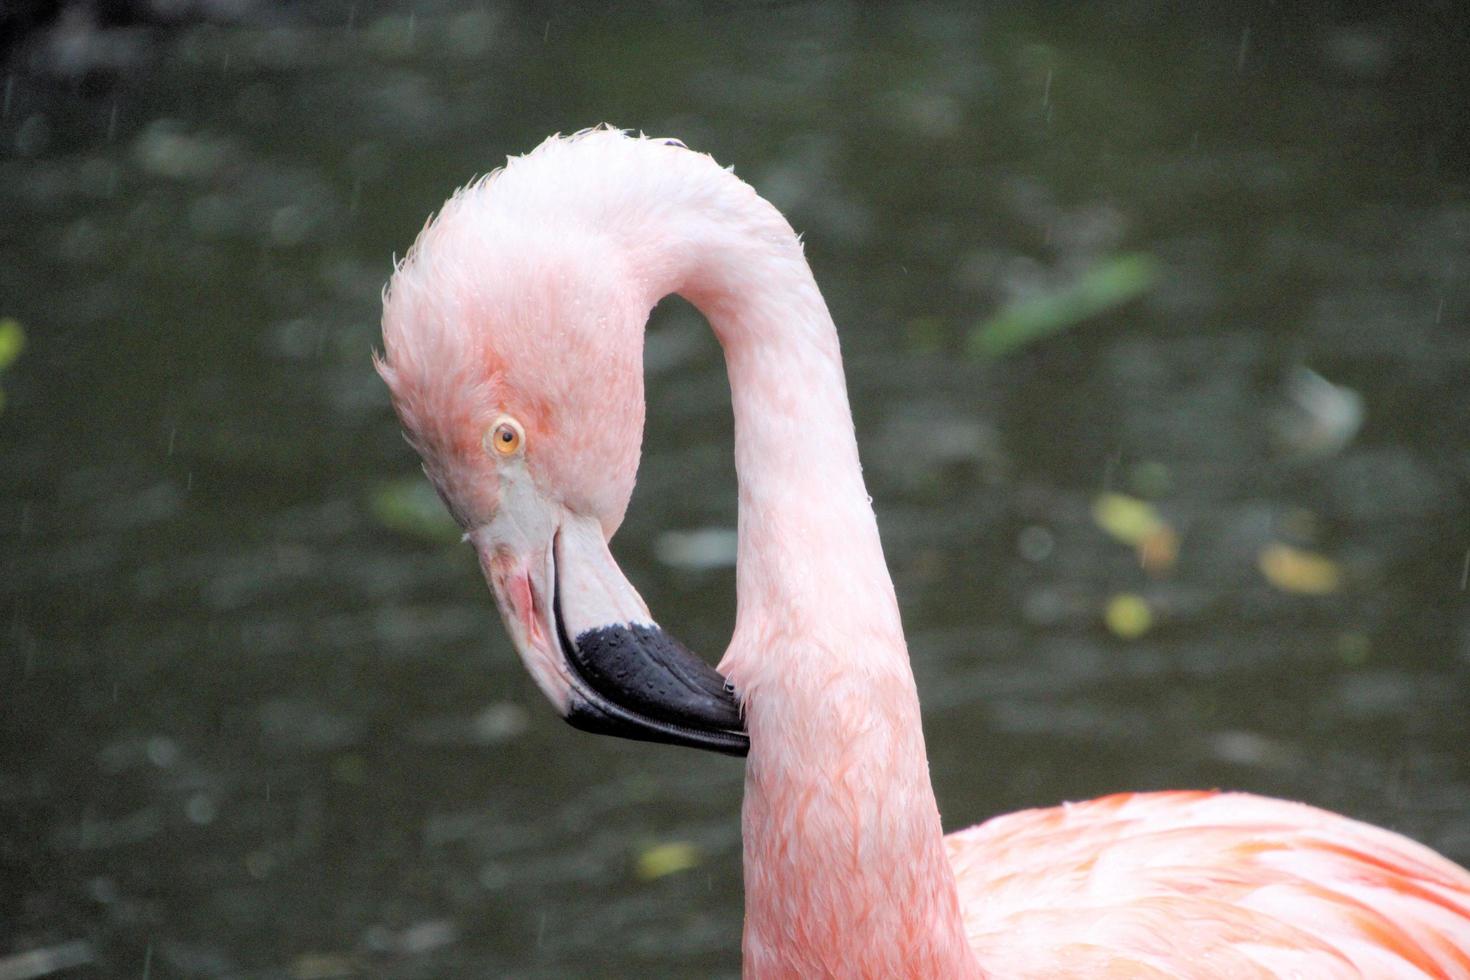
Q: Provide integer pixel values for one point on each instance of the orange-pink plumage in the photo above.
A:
(525, 300)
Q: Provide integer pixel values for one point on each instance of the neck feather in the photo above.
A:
(845, 869)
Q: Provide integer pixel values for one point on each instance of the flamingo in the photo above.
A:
(512, 336)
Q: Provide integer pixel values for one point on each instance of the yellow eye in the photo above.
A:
(505, 437)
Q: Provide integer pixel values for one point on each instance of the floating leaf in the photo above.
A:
(324, 966)
(427, 936)
(1322, 417)
(1126, 518)
(666, 859)
(1128, 616)
(1109, 283)
(162, 150)
(698, 550)
(1158, 551)
(410, 506)
(1135, 522)
(1243, 748)
(12, 341)
(47, 960)
(1298, 571)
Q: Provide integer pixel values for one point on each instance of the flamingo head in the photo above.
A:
(516, 373)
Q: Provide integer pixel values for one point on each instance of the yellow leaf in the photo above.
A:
(12, 341)
(1126, 518)
(666, 859)
(1128, 616)
(1135, 522)
(1298, 571)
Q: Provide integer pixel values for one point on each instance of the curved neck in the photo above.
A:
(845, 869)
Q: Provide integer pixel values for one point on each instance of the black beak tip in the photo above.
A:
(594, 717)
(641, 683)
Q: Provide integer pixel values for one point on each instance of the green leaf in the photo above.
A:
(1108, 284)
(410, 507)
(12, 341)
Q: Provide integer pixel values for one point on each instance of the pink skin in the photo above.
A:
(527, 296)
(510, 581)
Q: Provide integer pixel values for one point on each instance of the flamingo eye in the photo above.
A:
(505, 437)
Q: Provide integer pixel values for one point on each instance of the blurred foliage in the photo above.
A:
(662, 860)
(1108, 284)
(12, 343)
(1299, 571)
(1128, 616)
(411, 507)
(1138, 523)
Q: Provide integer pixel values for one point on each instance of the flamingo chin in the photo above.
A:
(526, 298)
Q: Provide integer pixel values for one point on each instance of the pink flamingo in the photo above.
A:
(513, 336)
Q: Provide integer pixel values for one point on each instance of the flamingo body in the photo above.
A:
(513, 338)
(1203, 884)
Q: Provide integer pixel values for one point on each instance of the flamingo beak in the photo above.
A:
(590, 643)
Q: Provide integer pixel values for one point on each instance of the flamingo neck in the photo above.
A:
(845, 868)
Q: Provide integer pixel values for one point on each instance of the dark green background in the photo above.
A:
(253, 727)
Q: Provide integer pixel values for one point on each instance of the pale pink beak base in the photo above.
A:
(587, 638)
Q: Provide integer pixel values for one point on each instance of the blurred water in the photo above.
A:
(250, 729)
